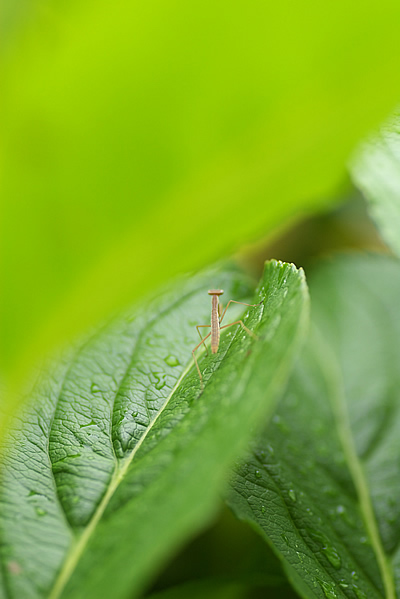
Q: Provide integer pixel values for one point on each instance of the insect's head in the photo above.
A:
(215, 291)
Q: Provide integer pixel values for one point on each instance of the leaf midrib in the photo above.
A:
(121, 467)
(118, 475)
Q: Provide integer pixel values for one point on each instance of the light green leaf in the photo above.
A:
(322, 483)
(142, 140)
(376, 171)
(119, 456)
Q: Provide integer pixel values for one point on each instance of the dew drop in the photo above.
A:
(329, 590)
(343, 584)
(360, 593)
(285, 292)
(333, 556)
(354, 575)
(330, 551)
(263, 509)
(91, 423)
(171, 361)
(342, 512)
(284, 537)
(292, 495)
(95, 388)
(40, 511)
(258, 474)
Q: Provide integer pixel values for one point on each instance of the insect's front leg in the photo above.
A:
(219, 310)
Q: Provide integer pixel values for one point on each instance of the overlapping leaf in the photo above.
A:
(376, 171)
(322, 483)
(119, 456)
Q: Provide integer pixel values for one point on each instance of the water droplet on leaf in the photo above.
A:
(171, 360)
(329, 550)
(284, 537)
(360, 593)
(329, 590)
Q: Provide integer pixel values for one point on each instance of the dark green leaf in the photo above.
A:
(119, 456)
(220, 589)
(322, 482)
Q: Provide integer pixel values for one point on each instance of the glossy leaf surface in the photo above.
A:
(323, 480)
(376, 171)
(119, 456)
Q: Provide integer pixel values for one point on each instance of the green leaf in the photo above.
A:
(220, 589)
(376, 171)
(142, 140)
(322, 482)
(212, 589)
(119, 456)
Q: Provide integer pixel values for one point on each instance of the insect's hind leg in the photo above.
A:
(194, 357)
(235, 302)
(199, 326)
(243, 327)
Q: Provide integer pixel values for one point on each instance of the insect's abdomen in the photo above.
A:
(214, 325)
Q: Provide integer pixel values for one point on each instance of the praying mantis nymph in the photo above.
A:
(216, 318)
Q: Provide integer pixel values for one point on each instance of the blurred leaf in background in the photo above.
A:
(376, 171)
(229, 560)
(140, 140)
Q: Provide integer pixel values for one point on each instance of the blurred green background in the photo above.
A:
(144, 139)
